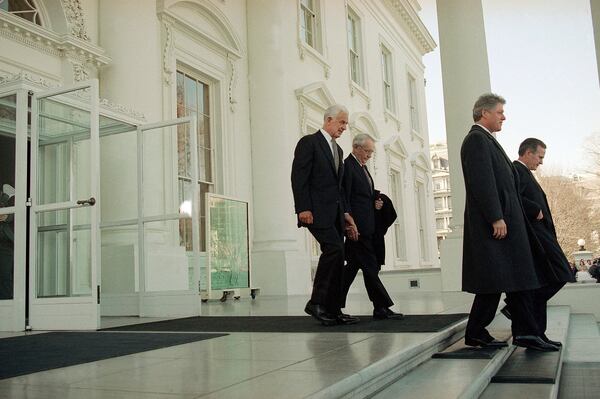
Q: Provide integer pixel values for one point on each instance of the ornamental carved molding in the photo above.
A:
(232, 71)
(122, 109)
(80, 73)
(168, 52)
(74, 14)
(50, 42)
(406, 14)
(27, 77)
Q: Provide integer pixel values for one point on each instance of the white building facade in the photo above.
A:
(254, 76)
(442, 195)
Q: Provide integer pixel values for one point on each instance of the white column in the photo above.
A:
(280, 266)
(595, 8)
(466, 76)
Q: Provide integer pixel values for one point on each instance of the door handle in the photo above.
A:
(90, 202)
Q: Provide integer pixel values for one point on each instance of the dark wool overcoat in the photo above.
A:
(534, 200)
(491, 265)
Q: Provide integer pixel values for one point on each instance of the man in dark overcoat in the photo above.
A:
(531, 154)
(497, 256)
(317, 175)
(363, 202)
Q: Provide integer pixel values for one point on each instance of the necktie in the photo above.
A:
(336, 154)
(368, 177)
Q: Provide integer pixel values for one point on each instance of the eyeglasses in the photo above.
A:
(367, 151)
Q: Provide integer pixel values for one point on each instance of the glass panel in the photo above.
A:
(180, 95)
(7, 193)
(228, 244)
(205, 165)
(23, 9)
(63, 266)
(184, 161)
(204, 189)
(168, 264)
(190, 94)
(120, 267)
(118, 177)
(160, 172)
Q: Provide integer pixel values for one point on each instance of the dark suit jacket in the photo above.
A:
(534, 200)
(315, 184)
(491, 265)
(360, 198)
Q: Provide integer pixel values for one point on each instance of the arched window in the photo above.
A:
(25, 9)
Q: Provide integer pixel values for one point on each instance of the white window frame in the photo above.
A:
(399, 232)
(387, 77)
(356, 51)
(413, 105)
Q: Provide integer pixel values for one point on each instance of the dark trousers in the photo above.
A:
(541, 296)
(361, 255)
(327, 286)
(484, 309)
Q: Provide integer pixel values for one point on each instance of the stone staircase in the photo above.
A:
(413, 373)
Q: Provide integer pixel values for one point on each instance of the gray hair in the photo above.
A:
(334, 111)
(359, 139)
(530, 144)
(486, 101)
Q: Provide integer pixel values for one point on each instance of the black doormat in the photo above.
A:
(297, 324)
(38, 352)
(467, 352)
(528, 366)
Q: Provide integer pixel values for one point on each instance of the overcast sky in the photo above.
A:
(542, 60)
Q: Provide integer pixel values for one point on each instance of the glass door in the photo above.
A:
(64, 235)
(168, 218)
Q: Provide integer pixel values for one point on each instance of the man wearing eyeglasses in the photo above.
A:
(362, 201)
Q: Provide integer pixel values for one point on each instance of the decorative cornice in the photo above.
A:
(28, 78)
(122, 109)
(407, 15)
(74, 14)
(59, 45)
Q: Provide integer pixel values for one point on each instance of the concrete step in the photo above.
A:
(470, 378)
(558, 329)
(452, 378)
(376, 375)
(584, 337)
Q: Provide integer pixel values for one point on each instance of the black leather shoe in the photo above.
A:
(482, 343)
(386, 313)
(506, 312)
(342, 318)
(533, 342)
(549, 341)
(318, 312)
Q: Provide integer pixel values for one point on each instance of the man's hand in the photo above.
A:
(306, 217)
(351, 229)
(540, 215)
(500, 229)
(378, 204)
(3, 218)
(352, 232)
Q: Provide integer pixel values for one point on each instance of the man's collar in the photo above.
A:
(523, 163)
(486, 129)
(357, 160)
(326, 135)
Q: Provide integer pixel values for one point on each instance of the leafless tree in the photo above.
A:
(572, 210)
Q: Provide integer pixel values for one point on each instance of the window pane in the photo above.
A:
(190, 93)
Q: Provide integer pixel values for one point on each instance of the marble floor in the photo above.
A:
(239, 365)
